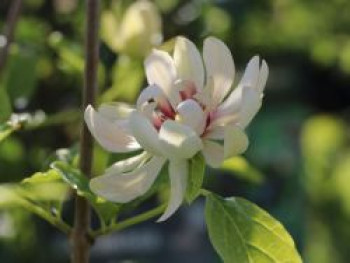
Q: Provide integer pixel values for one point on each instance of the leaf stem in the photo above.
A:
(129, 222)
(9, 29)
(80, 238)
(53, 220)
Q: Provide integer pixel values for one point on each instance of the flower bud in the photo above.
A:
(138, 30)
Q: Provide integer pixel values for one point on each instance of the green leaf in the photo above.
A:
(243, 169)
(195, 178)
(242, 232)
(106, 210)
(5, 105)
(5, 130)
(45, 189)
(21, 78)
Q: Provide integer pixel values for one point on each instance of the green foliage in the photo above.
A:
(44, 189)
(5, 130)
(243, 169)
(244, 233)
(195, 177)
(127, 78)
(107, 211)
(5, 106)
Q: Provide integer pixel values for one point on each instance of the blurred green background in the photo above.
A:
(299, 154)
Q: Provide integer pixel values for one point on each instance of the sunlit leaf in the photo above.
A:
(105, 209)
(241, 232)
(45, 189)
(243, 169)
(195, 177)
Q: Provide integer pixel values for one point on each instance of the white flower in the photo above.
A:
(184, 110)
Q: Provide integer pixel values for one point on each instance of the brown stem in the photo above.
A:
(80, 238)
(9, 29)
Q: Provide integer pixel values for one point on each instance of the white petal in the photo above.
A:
(178, 141)
(217, 133)
(111, 135)
(264, 73)
(161, 71)
(251, 73)
(235, 142)
(115, 110)
(192, 115)
(188, 62)
(129, 164)
(251, 103)
(219, 67)
(145, 133)
(123, 188)
(152, 92)
(178, 173)
(213, 153)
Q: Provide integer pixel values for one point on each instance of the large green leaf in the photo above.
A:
(106, 210)
(5, 130)
(195, 178)
(242, 232)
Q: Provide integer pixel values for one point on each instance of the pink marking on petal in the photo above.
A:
(189, 90)
(165, 107)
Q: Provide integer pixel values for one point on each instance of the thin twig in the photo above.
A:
(129, 222)
(80, 240)
(9, 29)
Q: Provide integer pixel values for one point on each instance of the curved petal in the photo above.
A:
(111, 135)
(178, 141)
(188, 62)
(123, 188)
(152, 92)
(115, 110)
(264, 73)
(251, 103)
(128, 164)
(216, 133)
(213, 153)
(219, 67)
(235, 142)
(251, 73)
(145, 133)
(161, 71)
(191, 114)
(178, 173)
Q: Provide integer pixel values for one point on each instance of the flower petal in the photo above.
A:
(216, 133)
(129, 164)
(251, 103)
(219, 67)
(213, 153)
(123, 188)
(178, 141)
(115, 110)
(264, 73)
(192, 115)
(251, 73)
(161, 71)
(145, 133)
(188, 62)
(152, 92)
(178, 173)
(112, 136)
(235, 142)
